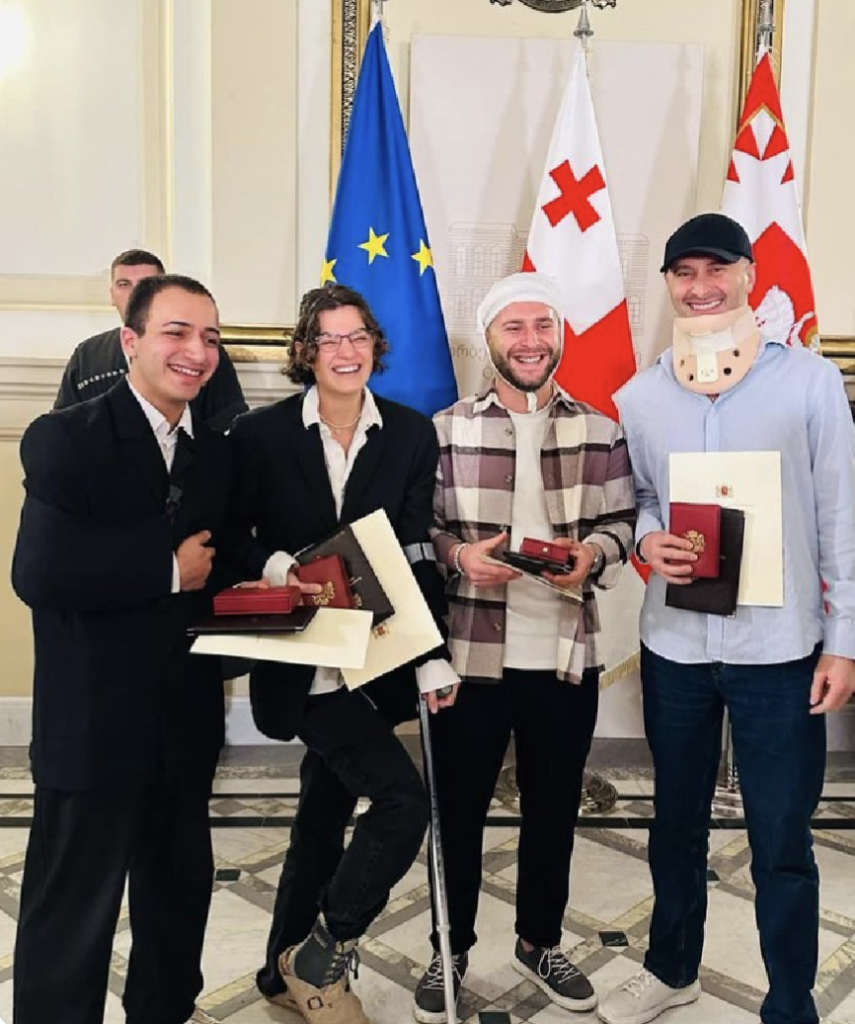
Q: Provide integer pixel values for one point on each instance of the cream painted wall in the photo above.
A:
(15, 634)
(830, 198)
(716, 25)
(254, 105)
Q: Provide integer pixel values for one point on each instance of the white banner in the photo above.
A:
(481, 115)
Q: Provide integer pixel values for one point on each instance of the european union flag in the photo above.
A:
(378, 242)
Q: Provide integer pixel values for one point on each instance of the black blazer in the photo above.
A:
(117, 698)
(284, 492)
(98, 363)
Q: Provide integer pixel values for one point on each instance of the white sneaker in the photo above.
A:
(642, 998)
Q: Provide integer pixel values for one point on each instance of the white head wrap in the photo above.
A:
(534, 287)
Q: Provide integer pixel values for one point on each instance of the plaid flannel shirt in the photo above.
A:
(587, 482)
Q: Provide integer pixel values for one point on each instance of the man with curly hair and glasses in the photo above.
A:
(326, 457)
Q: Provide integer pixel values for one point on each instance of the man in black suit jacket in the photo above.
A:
(98, 363)
(126, 499)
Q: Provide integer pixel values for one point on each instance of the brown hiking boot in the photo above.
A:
(285, 1000)
(332, 1001)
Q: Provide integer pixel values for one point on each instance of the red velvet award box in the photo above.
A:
(700, 524)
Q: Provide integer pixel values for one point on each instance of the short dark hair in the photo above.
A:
(315, 302)
(139, 304)
(137, 258)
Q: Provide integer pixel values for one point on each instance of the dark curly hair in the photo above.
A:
(303, 346)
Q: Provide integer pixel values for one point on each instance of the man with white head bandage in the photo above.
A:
(522, 459)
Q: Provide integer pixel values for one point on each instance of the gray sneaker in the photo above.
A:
(552, 972)
(642, 998)
(429, 1006)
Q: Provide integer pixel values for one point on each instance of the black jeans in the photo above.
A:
(82, 847)
(780, 754)
(351, 752)
(552, 723)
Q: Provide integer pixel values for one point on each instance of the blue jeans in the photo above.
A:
(780, 756)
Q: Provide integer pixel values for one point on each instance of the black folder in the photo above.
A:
(363, 580)
(715, 597)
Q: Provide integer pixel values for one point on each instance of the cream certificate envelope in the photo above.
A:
(335, 638)
(750, 482)
(411, 631)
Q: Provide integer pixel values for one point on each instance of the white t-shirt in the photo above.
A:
(531, 622)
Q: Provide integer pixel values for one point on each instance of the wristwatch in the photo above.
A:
(599, 562)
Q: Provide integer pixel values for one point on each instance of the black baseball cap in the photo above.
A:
(708, 234)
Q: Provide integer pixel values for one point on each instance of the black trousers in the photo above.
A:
(351, 752)
(82, 848)
(552, 723)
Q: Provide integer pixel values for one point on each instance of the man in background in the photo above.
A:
(98, 362)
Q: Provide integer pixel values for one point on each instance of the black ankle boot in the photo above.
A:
(321, 961)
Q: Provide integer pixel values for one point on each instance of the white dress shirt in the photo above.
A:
(167, 438)
(433, 674)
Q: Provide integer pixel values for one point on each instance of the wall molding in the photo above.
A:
(16, 723)
(28, 387)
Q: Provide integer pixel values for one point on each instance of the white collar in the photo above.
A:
(369, 417)
(158, 422)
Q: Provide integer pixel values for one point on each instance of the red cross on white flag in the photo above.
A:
(760, 193)
(573, 239)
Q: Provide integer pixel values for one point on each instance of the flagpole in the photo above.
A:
(583, 30)
(765, 27)
(377, 8)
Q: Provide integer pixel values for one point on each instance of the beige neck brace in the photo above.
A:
(714, 353)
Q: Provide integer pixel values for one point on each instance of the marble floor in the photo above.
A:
(605, 926)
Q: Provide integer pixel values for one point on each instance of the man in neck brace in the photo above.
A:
(777, 670)
(522, 459)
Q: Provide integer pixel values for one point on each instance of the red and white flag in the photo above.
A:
(760, 193)
(573, 239)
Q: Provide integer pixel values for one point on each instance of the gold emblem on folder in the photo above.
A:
(697, 540)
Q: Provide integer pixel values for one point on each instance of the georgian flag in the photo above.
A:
(573, 239)
(760, 192)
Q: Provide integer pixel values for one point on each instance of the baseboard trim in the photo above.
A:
(16, 721)
(16, 714)
(240, 728)
(16, 725)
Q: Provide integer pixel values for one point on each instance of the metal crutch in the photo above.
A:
(443, 928)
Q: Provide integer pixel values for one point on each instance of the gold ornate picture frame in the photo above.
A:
(251, 343)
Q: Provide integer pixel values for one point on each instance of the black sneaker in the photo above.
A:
(553, 974)
(430, 993)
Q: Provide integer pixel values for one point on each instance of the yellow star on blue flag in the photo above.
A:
(378, 211)
(424, 257)
(375, 246)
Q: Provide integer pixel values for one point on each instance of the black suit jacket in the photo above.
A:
(117, 698)
(98, 363)
(283, 491)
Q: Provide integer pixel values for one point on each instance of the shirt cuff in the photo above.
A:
(176, 576)
(839, 638)
(277, 567)
(435, 674)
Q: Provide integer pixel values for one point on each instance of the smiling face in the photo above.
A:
(342, 369)
(704, 285)
(525, 344)
(178, 351)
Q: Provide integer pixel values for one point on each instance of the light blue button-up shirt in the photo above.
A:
(793, 402)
